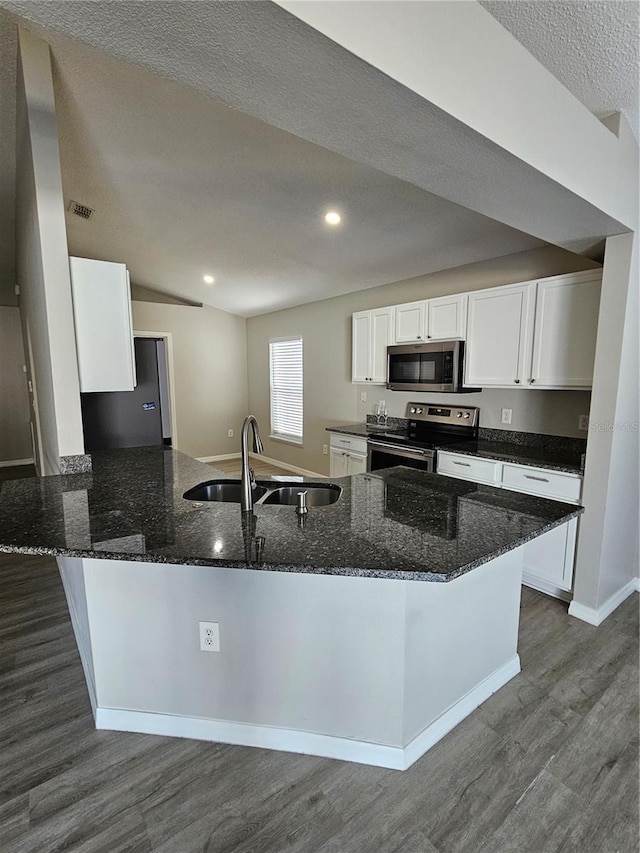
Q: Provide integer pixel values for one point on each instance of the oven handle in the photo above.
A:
(399, 451)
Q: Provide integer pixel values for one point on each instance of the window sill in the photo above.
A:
(297, 442)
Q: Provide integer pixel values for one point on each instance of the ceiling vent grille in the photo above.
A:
(80, 210)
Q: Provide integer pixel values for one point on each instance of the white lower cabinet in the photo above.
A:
(347, 455)
(548, 560)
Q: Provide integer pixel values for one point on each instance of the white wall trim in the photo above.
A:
(308, 743)
(221, 458)
(596, 616)
(285, 465)
(457, 712)
(168, 350)
(12, 463)
(544, 586)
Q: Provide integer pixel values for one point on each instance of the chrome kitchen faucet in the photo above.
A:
(248, 483)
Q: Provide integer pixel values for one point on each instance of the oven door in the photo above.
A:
(381, 454)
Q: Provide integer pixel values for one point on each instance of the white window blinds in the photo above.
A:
(285, 371)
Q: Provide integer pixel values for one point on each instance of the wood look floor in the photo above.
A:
(232, 468)
(549, 763)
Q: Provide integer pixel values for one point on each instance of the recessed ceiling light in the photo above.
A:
(208, 279)
(332, 218)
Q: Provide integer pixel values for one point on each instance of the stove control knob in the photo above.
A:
(459, 415)
(413, 410)
(418, 411)
(466, 415)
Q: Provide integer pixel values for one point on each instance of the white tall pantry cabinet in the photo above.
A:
(103, 324)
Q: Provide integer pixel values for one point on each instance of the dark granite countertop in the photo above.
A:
(553, 458)
(361, 430)
(396, 523)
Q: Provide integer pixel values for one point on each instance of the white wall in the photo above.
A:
(329, 395)
(42, 259)
(15, 434)
(608, 546)
(210, 372)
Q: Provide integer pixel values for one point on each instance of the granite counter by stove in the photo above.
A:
(323, 643)
(398, 523)
(555, 453)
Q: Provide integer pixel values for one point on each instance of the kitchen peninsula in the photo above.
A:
(365, 632)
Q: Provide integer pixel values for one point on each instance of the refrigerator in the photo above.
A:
(135, 418)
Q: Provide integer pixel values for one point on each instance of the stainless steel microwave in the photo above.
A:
(437, 366)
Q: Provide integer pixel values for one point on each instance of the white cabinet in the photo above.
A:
(499, 328)
(372, 334)
(441, 319)
(469, 468)
(548, 560)
(447, 318)
(556, 485)
(566, 324)
(103, 325)
(534, 335)
(410, 322)
(348, 455)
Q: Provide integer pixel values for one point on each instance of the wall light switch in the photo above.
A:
(363, 396)
(325, 449)
(583, 422)
(506, 416)
(230, 433)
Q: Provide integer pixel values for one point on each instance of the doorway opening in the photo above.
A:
(142, 417)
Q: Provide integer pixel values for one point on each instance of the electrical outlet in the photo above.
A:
(209, 637)
(230, 433)
(583, 422)
(506, 416)
(325, 449)
(363, 396)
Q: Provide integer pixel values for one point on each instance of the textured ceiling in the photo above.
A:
(590, 47)
(162, 163)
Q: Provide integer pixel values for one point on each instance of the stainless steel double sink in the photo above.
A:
(265, 494)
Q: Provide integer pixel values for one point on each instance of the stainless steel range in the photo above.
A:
(428, 427)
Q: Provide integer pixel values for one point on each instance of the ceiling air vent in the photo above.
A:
(80, 210)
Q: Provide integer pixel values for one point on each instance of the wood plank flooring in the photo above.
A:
(549, 764)
(232, 468)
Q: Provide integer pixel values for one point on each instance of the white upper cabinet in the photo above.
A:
(447, 318)
(410, 322)
(103, 325)
(441, 319)
(372, 334)
(499, 330)
(564, 339)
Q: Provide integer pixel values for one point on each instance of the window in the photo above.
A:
(285, 374)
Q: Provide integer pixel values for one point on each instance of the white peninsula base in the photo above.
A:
(362, 669)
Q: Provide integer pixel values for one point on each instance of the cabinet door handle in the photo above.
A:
(532, 381)
(419, 337)
(464, 464)
(531, 477)
(517, 381)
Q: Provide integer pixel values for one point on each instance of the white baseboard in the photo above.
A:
(596, 616)
(221, 458)
(548, 588)
(14, 463)
(293, 468)
(456, 713)
(308, 743)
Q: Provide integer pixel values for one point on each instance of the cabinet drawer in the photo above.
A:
(469, 468)
(351, 443)
(539, 481)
